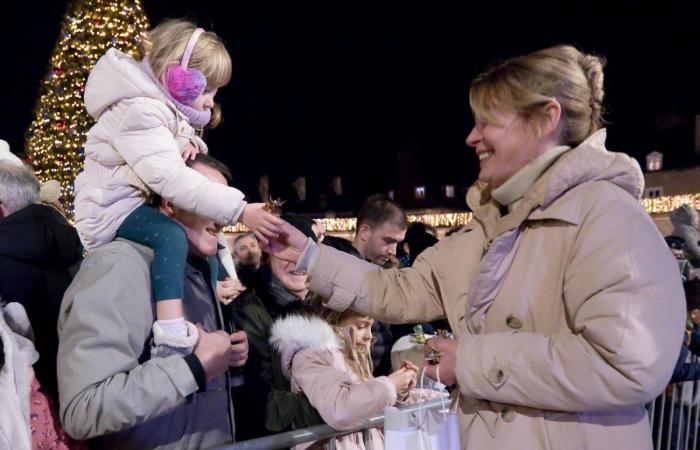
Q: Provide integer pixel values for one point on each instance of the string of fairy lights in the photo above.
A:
(658, 205)
(56, 137)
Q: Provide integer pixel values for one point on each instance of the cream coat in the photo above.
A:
(134, 148)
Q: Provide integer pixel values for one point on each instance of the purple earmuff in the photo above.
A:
(184, 84)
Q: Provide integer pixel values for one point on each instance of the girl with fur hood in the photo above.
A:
(327, 356)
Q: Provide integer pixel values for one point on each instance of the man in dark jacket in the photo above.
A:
(266, 397)
(381, 225)
(39, 254)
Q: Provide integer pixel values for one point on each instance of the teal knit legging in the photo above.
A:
(149, 227)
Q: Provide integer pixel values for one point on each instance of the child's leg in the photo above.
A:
(147, 226)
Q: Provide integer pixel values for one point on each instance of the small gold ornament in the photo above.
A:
(274, 206)
(443, 334)
(418, 334)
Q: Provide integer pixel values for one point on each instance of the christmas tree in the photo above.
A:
(56, 137)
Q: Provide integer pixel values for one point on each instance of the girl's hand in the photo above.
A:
(263, 224)
(189, 151)
(403, 379)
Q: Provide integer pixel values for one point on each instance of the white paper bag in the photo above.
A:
(421, 430)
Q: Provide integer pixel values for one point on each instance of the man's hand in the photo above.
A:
(239, 349)
(229, 289)
(213, 351)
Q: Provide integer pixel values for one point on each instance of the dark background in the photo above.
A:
(377, 91)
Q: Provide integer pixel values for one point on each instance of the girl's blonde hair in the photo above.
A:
(165, 44)
(527, 83)
(359, 360)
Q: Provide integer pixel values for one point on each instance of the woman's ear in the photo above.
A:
(551, 117)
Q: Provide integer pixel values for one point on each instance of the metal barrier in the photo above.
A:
(318, 432)
(674, 416)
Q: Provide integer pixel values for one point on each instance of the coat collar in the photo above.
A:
(589, 161)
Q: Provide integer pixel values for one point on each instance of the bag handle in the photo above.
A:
(420, 394)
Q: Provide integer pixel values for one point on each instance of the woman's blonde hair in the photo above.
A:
(165, 44)
(527, 83)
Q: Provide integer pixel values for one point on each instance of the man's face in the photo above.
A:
(247, 251)
(380, 242)
(202, 233)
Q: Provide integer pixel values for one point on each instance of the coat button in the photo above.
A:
(495, 375)
(508, 414)
(513, 322)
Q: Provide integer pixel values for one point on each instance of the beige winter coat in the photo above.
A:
(582, 329)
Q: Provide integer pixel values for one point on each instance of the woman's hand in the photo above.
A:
(288, 245)
(447, 361)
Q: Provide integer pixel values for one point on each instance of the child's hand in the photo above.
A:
(263, 224)
(403, 380)
(189, 151)
(408, 365)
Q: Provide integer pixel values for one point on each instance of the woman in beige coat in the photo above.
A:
(566, 305)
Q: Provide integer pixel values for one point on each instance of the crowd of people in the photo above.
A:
(132, 329)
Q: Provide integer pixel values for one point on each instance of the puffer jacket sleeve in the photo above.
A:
(342, 404)
(103, 388)
(150, 149)
(623, 301)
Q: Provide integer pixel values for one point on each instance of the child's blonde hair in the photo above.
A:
(359, 360)
(527, 83)
(165, 44)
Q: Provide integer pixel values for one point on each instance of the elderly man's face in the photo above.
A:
(202, 233)
(293, 280)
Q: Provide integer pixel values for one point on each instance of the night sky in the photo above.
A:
(377, 91)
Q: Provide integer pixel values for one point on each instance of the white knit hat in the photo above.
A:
(7, 155)
(50, 191)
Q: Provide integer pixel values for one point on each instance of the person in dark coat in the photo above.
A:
(39, 255)
(266, 397)
(381, 225)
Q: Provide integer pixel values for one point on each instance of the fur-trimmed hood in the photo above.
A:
(295, 333)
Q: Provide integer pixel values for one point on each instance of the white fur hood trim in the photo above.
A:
(295, 333)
